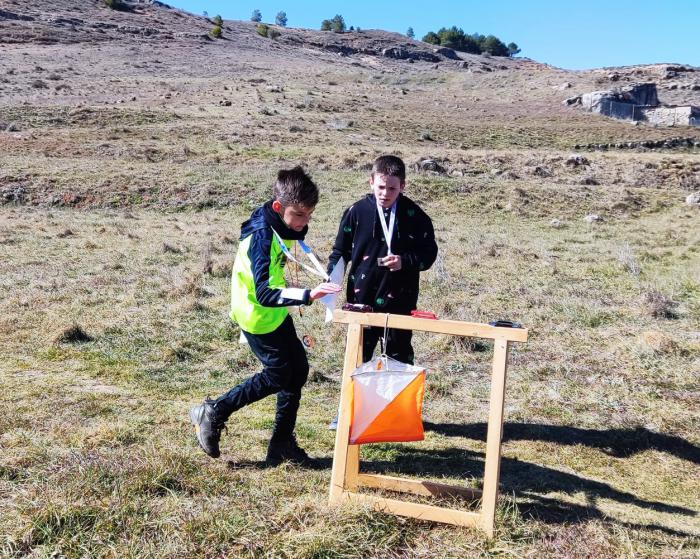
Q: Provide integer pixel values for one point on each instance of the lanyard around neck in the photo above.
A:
(316, 270)
(388, 231)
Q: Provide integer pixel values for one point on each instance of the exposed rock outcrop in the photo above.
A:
(638, 103)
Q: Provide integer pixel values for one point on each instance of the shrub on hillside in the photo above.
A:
(431, 38)
(256, 16)
(265, 30)
(216, 32)
(337, 24)
(216, 20)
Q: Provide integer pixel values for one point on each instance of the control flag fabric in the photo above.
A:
(387, 402)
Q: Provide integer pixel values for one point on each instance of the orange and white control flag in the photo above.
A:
(387, 402)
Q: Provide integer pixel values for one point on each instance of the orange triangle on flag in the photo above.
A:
(401, 420)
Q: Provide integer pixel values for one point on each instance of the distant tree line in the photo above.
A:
(452, 37)
(476, 43)
(280, 18)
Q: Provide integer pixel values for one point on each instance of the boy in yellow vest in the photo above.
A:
(259, 303)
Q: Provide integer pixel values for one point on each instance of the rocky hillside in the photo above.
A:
(93, 22)
(100, 99)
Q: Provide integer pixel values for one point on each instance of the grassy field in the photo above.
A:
(131, 149)
(601, 452)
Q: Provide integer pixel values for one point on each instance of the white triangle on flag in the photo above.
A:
(378, 388)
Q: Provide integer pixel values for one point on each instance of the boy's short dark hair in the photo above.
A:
(294, 186)
(390, 165)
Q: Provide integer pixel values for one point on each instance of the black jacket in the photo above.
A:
(360, 240)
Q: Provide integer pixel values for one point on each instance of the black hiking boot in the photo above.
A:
(208, 427)
(287, 450)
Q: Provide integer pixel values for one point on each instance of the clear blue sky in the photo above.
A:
(569, 34)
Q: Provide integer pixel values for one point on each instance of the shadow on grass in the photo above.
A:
(530, 482)
(323, 464)
(619, 443)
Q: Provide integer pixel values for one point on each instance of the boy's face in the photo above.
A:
(386, 188)
(295, 216)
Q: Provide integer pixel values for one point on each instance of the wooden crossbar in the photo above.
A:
(346, 478)
(417, 487)
(418, 510)
(456, 327)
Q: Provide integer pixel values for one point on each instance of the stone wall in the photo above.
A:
(671, 116)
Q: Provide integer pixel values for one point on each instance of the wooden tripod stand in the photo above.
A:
(346, 478)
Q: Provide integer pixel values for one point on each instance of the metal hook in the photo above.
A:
(385, 340)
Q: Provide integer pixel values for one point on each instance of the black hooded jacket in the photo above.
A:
(360, 240)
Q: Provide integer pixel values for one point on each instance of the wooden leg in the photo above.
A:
(346, 456)
(493, 438)
(352, 465)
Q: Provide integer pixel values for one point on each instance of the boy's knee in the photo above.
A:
(274, 381)
(299, 378)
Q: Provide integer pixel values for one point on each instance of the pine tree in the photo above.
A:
(338, 24)
(281, 19)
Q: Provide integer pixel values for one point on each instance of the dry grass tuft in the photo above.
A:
(192, 284)
(73, 334)
(221, 268)
(659, 342)
(660, 306)
(629, 261)
(207, 262)
(177, 353)
(168, 248)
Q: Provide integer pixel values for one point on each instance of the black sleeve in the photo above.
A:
(343, 241)
(259, 255)
(423, 251)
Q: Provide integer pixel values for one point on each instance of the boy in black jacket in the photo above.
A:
(389, 240)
